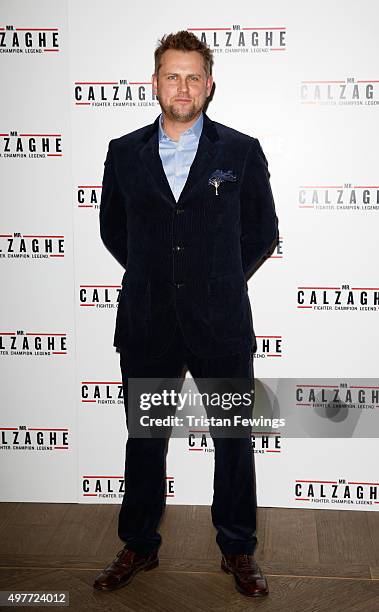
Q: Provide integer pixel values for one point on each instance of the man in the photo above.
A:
(187, 210)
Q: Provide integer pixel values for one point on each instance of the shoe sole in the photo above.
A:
(145, 568)
(238, 588)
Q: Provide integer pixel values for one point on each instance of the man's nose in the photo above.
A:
(182, 85)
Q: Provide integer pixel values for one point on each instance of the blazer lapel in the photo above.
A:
(207, 148)
(206, 151)
(149, 154)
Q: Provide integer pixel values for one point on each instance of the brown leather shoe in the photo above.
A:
(247, 574)
(122, 569)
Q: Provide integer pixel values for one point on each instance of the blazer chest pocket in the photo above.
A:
(226, 189)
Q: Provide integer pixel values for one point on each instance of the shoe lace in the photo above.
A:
(124, 557)
(247, 564)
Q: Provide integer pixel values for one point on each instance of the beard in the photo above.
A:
(183, 115)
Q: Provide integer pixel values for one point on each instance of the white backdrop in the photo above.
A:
(302, 78)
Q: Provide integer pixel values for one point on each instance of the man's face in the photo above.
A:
(182, 86)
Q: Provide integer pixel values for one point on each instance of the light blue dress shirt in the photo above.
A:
(177, 156)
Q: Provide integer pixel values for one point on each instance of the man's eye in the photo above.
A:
(172, 76)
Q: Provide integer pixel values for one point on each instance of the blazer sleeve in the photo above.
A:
(113, 227)
(259, 223)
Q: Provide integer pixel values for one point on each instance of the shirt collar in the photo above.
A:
(195, 129)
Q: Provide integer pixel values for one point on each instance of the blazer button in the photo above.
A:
(179, 285)
(178, 211)
(177, 248)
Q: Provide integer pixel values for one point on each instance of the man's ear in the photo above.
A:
(154, 81)
(209, 84)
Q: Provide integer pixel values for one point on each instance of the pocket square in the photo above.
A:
(221, 176)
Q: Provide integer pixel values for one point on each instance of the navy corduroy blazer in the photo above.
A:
(187, 262)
